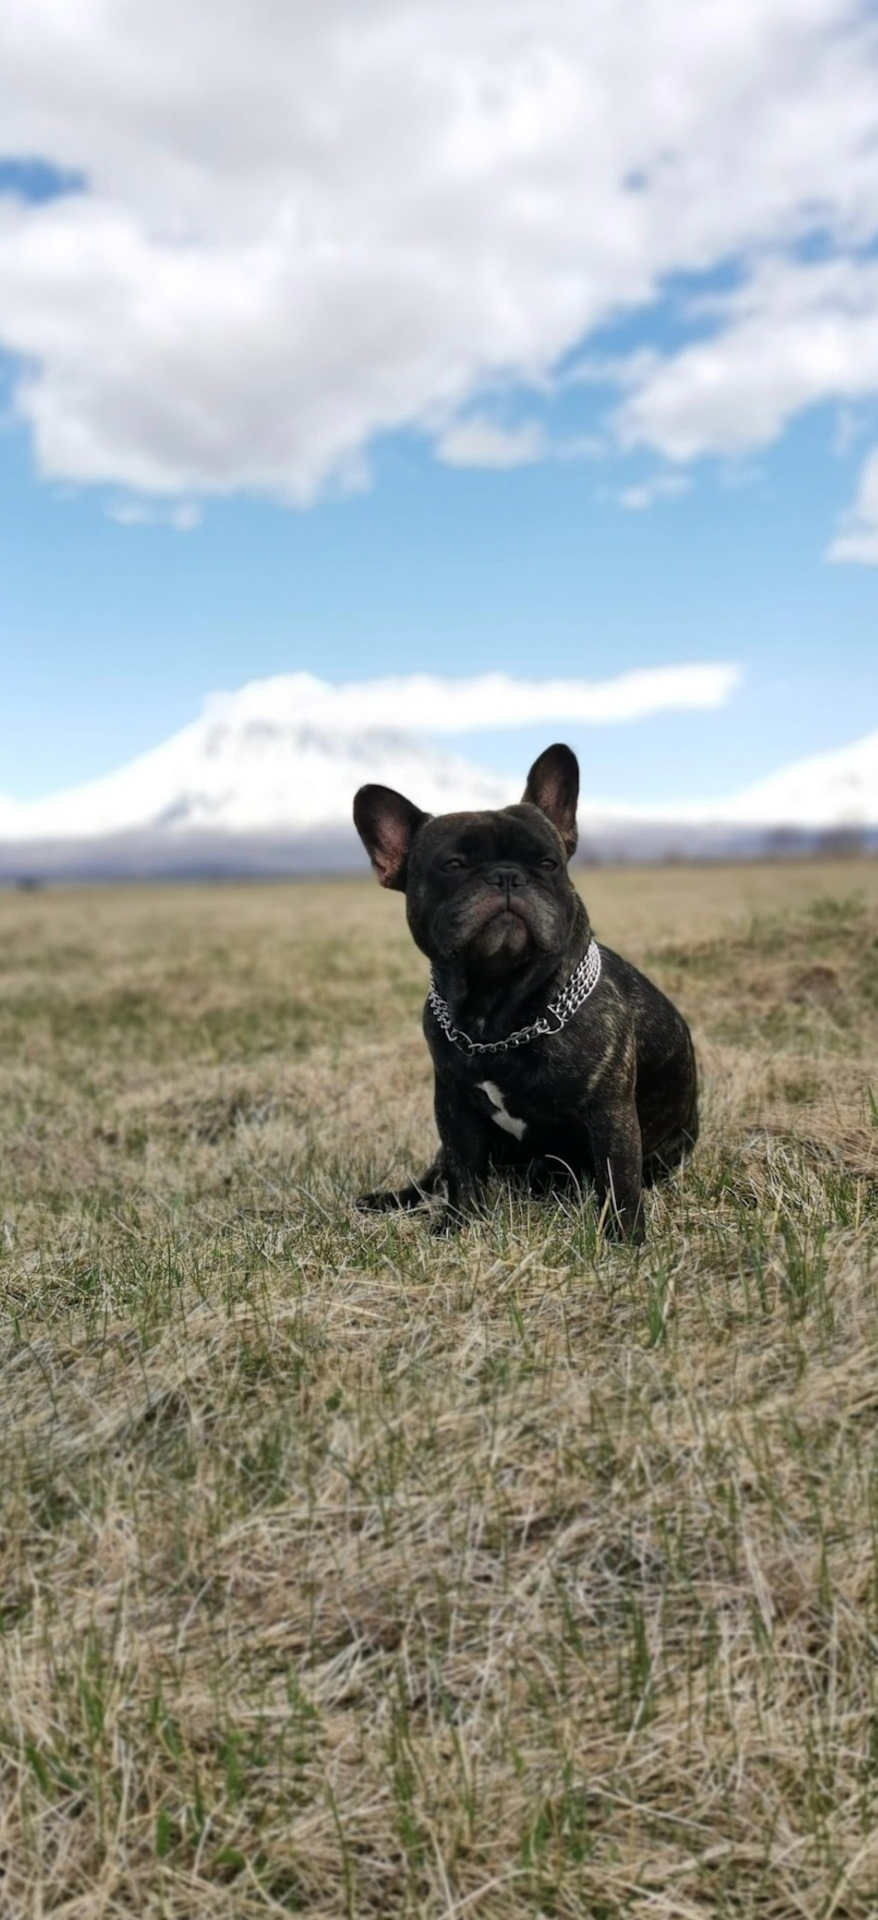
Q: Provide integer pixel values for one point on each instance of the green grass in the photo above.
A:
(348, 1572)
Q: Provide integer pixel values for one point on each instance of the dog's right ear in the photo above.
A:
(387, 823)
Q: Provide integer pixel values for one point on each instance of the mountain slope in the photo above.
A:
(263, 780)
(837, 789)
(249, 765)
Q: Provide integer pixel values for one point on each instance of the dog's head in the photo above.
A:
(486, 892)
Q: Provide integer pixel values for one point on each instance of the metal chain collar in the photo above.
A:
(582, 982)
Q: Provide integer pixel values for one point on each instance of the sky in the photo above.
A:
(506, 338)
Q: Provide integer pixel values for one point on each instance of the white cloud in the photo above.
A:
(310, 225)
(477, 442)
(426, 703)
(793, 335)
(183, 516)
(131, 513)
(663, 486)
(857, 536)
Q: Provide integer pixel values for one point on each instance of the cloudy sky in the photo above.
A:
(475, 338)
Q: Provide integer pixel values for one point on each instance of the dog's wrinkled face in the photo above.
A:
(486, 892)
(489, 891)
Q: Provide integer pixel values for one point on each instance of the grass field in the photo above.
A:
(348, 1572)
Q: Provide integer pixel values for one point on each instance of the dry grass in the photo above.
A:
(350, 1573)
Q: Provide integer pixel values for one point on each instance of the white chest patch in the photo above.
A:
(502, 1119)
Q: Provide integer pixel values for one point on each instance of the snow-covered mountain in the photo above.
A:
(252, 764)
(828, 790)
(263, 780)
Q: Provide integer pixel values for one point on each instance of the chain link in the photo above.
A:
(582, 982)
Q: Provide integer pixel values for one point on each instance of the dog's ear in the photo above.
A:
(387, 823)
(553, 786)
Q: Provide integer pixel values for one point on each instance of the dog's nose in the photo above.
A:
(506, 879)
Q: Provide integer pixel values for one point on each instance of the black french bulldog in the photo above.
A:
(551, 1054)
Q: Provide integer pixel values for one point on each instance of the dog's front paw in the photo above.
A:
(383, 1200)
(623, 1229)
(393, 1199)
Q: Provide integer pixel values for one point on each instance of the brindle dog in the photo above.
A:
(605, 1089)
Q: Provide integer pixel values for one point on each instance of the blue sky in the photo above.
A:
(112, 634)
(174, 518)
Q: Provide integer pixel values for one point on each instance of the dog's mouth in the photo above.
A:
(503, 935)
(509, 909)
(500, 930)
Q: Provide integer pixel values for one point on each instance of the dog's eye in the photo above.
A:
(551, 866)
(451, 865)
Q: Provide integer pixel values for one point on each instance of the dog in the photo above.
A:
(552, 1055)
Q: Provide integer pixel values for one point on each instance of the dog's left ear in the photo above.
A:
(387, 823)
(553, 786)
